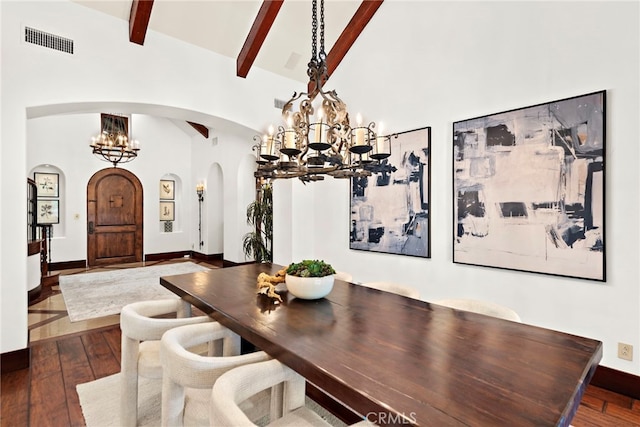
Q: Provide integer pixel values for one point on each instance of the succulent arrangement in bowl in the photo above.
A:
(310, 268)
(310, 279)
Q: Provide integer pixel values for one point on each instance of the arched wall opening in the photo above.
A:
(213, 227)
(247, 191)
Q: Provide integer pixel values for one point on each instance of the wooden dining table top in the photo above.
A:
(397, 360)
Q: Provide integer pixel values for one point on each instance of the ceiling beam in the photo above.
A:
(139, 20)
(349, 35)
(259, 30)
(202, 129)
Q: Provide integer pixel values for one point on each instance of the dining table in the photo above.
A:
(394, 360)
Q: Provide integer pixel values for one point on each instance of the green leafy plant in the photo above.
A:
(310, 268)
(258, 244)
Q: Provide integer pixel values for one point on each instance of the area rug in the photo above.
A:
(100, 402)
(91, 295)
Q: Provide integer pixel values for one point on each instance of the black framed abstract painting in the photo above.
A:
(528, 188)
(390, 208)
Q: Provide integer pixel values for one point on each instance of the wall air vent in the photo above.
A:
(278, 103)
(31, 35)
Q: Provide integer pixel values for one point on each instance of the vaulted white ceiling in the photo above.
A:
(222, 26)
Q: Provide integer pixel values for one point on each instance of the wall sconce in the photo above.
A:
(200, 192)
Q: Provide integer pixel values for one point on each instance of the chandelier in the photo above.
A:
(114, 147)
(318, 138)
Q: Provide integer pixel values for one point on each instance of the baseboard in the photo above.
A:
(34, 293)
(163, 256)
(227, 263)
(50, 279)
(617, 381)
(15, 360)
(166, 255)
(66, 265)
(204, 257)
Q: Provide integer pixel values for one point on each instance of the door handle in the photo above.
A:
(91, 228)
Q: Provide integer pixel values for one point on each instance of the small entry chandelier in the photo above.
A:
(113, 144)
(319, 138)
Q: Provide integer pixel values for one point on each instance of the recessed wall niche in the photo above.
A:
(50, 198)
(169, 203)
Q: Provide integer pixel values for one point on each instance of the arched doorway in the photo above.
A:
(114, 217)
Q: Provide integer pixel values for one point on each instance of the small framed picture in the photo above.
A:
(167, 212)
(167, 189)
(48, 212)
(46, 184)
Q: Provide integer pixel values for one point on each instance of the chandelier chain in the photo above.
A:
(319, 139)
(314, 31)
(322, 54)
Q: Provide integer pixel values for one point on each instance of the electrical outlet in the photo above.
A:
(625, 351)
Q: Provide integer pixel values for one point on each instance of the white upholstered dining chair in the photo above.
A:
(395, 288)
(238, 384)
(483, 307)
(140, 351)
(188, 377)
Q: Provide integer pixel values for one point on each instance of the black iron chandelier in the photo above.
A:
(114, 147)
(113, 144)
(319, 138)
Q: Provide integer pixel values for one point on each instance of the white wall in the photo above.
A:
(222, 161)
(164, 78)
(213, 211)
(416, 64)
(440, 62)
(63, 142)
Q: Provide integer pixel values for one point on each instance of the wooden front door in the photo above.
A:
(114, 217)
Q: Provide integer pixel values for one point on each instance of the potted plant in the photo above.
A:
(258, 244)
(310, 279)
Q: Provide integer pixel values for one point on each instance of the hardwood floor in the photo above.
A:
(45, 394)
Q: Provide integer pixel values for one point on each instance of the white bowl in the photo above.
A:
(309, 287)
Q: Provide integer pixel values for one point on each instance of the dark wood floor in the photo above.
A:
(45, 394)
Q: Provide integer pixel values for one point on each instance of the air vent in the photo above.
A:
(278, 103)
(31, 35)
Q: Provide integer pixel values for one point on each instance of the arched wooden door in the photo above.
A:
(114, 217)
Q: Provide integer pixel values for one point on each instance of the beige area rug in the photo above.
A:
(100, 402)
(91, 295)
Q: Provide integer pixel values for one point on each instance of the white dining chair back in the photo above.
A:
(396, 288)
(140, 347)
(188, 377)
(483, 307)
(238, 384)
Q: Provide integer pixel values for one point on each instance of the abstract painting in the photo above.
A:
(528, 188)
(390, 208)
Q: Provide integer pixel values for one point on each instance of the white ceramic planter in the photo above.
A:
(309, 287)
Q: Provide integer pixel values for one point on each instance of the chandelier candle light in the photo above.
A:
(318, 138)
(114, 147)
